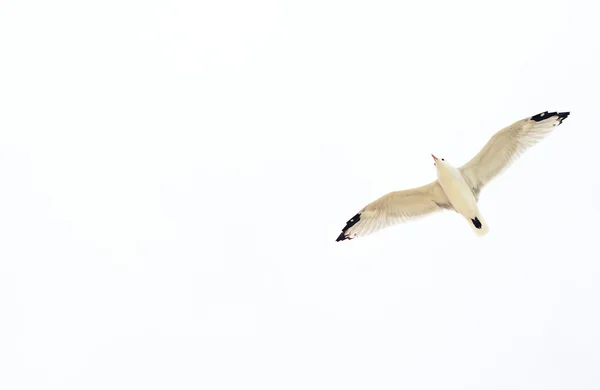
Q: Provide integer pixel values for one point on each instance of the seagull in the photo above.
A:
(455, 188)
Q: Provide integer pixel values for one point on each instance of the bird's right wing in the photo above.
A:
(396, 207)
(506, 146)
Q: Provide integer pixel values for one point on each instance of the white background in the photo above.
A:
(173, 175)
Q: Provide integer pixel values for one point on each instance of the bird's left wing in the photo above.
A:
(506, 146)
(396, 207)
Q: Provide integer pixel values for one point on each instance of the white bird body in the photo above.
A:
(460, 195)
(455, 188)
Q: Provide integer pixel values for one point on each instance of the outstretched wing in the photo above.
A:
(396, 207)
(506, 146)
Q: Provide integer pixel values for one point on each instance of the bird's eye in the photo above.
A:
(443, 160)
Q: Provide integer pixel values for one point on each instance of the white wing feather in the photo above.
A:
(506, 146)
(396, 207)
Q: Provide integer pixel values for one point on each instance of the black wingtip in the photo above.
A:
(545, 115)
(563, 115)
(351, 222)
(341, 237)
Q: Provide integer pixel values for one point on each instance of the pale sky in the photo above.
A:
(173, 175)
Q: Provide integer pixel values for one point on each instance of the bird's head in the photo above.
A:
(437, 161)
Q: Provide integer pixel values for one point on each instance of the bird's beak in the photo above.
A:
(434, 158)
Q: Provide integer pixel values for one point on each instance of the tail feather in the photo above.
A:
(479, 225)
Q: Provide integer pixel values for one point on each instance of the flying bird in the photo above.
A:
(455, 188)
